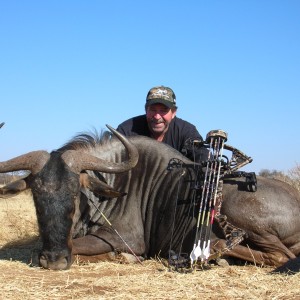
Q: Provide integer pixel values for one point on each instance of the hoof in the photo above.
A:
(128, 258)
(222, 262)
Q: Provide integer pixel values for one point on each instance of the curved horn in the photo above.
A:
(78, 160)
(33, 161)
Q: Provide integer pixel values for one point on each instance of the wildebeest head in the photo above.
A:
(55, 181)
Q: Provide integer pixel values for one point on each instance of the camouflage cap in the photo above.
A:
(163, 95)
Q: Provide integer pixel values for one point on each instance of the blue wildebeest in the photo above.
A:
(131, 185)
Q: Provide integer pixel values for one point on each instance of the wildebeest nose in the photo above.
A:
(61, 263)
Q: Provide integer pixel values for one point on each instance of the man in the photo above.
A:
(161, 123)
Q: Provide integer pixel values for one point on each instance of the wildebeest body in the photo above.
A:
(148, 217)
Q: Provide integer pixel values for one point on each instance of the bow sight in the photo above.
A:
(209, 182)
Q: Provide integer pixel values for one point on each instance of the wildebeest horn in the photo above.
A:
(79, 160)
(33, 161)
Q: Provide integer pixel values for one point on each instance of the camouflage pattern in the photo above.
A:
(161, 94)
(216, 133)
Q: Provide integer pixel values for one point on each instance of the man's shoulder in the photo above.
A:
(134, 126)
(180, 122)
(185, 129)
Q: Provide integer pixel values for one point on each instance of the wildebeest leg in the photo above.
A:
(272, 252)
(92, 248)
(105, 241)
(92, 245)
(110, 256)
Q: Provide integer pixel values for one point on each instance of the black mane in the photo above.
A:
(86, 140)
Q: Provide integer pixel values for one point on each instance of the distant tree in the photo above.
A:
(292, 177)
(271, 174)
(294, 174)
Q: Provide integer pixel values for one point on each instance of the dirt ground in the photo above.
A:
(21, 278)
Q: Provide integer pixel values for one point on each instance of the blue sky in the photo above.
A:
(71, 66)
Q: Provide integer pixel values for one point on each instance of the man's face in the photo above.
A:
(159, 117)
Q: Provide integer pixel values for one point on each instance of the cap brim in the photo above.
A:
(161, 101)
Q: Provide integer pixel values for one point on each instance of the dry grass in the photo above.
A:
(17, 216)
(151, 281)
(108, 280)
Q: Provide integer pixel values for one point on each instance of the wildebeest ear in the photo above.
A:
(13, 188)
(98, 187)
